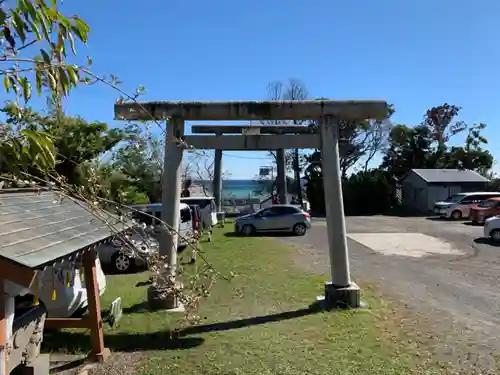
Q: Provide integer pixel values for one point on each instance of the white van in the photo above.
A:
(457, 206)
(207, 207)
(185, 229)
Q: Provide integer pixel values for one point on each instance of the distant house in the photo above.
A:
(423, 187)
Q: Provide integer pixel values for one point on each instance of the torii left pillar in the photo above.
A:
(159, 298)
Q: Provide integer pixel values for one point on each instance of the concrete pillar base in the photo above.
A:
(340, 297)
(159, 299)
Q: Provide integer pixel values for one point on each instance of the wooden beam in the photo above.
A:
(253, 110)
(67, 323)
(3, 329)
(16, 272)
(238, 129)
(253, 142)
(99, 352)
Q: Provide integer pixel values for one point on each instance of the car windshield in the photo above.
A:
(454, 198)
(487, 203)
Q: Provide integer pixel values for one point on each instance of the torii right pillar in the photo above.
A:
(340, 291)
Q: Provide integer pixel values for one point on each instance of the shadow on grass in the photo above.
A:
(138, 308)
(232, 324)
(109, 270)
(78, 342)
(247, 322)
(486, 241)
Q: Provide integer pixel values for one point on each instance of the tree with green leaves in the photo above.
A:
(140, 160)
(427, 145)
(359, 142)
(24, 26)
(75, 140)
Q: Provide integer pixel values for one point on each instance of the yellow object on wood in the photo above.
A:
(54, 293)
(36, 299)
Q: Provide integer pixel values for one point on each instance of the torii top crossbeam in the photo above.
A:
(261, 129)
(253, 110)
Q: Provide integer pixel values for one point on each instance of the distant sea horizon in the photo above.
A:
(236, 188)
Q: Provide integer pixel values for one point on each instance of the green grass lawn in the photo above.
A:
(263, 325)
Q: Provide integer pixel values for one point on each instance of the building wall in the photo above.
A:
(421, 196)
(439, 192)
(414, 193)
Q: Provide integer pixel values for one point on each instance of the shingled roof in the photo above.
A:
(449, 175)
(37, 227)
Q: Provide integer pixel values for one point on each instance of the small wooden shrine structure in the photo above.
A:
(40, 229)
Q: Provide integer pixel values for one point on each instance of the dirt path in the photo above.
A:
(434, 270)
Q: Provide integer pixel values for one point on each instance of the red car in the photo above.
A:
(487, 208)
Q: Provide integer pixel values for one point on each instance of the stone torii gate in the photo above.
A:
(340, 291)
(250, 130)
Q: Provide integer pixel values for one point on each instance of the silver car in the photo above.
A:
(277, 218)
(115, 254)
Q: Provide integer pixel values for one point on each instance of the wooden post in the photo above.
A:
(99, 352)
(3, 330)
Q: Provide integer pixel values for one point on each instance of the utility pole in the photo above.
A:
(281, 180)
(217, 182)
(296, 168)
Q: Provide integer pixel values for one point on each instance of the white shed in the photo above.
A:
(423, 187)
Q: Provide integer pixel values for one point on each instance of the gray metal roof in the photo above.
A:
(37, 228)
(449, 175)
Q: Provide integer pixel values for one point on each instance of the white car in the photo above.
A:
(457, 206)
(207, 207)
(492, 228)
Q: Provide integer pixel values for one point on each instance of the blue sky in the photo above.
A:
(412, 54)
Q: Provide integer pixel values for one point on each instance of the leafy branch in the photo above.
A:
(29, 156)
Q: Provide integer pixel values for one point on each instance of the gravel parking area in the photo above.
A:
(442, 269)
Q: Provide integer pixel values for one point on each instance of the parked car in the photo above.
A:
(484, 210)
(306, 206)
(277, 218)
(152, 212)
(114, 253)
(208, 209)
(196, 216)
(492, 228)
(457, 206)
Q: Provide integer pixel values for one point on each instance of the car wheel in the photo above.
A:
(299, 229)
(456, 215)
(121, 263)
(247, 230)
(495, 235)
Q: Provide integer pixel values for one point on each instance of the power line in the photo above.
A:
(247, 157)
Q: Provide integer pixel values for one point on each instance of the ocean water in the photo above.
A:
(237, 188)
(240, 188)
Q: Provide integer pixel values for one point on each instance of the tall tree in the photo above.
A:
(140, 160)
(36, 24)
(74, 139)
(427, 145)
(409, 148)
(292, 90)
(359, 141)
